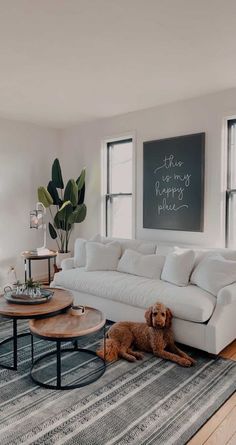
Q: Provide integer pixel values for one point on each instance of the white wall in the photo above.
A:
(81, 146)
(26, 154)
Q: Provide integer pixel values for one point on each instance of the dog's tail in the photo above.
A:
(112, 351)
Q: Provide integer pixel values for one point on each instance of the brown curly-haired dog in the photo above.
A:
(154, 336)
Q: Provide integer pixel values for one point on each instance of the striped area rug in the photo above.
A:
(148, 402)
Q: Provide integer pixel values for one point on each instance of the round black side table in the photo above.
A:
(29, 256)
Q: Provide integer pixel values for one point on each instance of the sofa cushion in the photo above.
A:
(149, 266)
(102, 257)
(178, 266)
(188, 303)
(146, 248)
(80, 252)
(213, 273)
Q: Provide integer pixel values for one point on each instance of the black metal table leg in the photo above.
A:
(15, 344)
(32, 349)
(58, 364)
(14, 338)
(104, 342)
(49, 270)
(29, 260)
(25, 264)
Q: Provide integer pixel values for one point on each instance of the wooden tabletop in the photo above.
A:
(28, 255)
(68, 325)
(60, 300)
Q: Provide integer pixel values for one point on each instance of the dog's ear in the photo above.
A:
(169, 317)
(148, 316)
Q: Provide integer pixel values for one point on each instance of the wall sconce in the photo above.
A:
(37, 222)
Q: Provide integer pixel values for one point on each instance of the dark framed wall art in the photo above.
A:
(173, 183)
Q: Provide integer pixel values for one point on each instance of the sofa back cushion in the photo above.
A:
(228, 254)
(213, 273)
(146, 248)
(178, 267)
(139, 246)
(80, 252)
(102, 256)
(135, 263)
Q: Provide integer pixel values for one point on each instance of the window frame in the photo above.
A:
(107, 193)
(230, 192)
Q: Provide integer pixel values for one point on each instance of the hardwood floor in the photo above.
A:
(220, 428)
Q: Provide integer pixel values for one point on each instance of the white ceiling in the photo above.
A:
(68, 61)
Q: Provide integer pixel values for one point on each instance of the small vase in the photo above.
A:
(62, 256)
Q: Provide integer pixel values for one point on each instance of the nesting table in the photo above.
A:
(68, 327)
(60, 301)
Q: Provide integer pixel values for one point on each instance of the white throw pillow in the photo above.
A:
(199, 253)
(80, 252)
(213, 273)
(178, 266)
(102, 256)
(149, 266)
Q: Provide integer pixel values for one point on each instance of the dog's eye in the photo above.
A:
(162, 314)
(154, 313)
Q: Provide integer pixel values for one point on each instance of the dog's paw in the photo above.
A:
(185, 362)
(139, 355)
(192, 360)
(131, 358)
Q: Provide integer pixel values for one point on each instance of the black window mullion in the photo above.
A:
(230, 191)
(122, 141)
(229, 196)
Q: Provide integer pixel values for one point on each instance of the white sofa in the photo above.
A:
(201, 320)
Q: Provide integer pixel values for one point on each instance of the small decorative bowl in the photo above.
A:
(77, 310)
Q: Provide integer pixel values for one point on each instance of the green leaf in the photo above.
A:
(52, 231)
(57, 175)
(78, 215)
(66, 203)
(44, 197)
(54, 193)
(65, 212)
(81, 179)
(71, 192)
(30, 283)
(57, 222)
(81, 195)
(61, 224)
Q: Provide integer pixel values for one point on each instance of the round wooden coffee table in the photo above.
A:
(69, 327)
(60, 301)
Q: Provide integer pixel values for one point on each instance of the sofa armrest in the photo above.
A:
(227, 295)
(67, 264)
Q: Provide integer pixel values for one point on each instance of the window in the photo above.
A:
(231, 186)
(119, 189)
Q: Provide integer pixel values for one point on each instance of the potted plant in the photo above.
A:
(66, 207)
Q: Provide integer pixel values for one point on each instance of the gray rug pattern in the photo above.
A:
(148, 402)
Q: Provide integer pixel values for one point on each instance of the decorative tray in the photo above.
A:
(12, 297)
